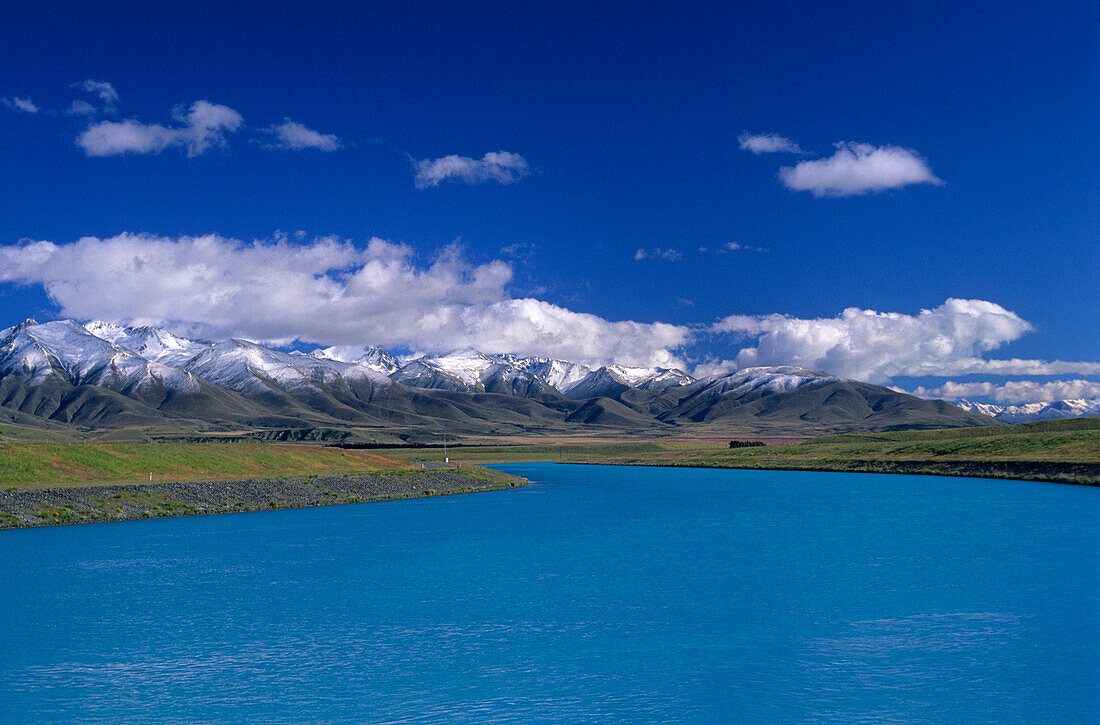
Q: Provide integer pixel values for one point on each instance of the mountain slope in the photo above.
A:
(800, 399)
(102, 375)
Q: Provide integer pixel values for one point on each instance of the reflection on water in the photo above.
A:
(597, 594)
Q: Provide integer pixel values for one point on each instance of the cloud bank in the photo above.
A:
(767, 143)
(326, 291)
(503, 167)
(295, 137)
(876, 346)
(202, 126)
(858, 168)
(1015, 391)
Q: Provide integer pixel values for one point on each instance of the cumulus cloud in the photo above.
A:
(500, 166)
(668, 255)
(875, 346)
(24, 105)
(202, 126)
(1015, 391)
(767, 143)
(294, 136)
(858, 168)
(325, 291)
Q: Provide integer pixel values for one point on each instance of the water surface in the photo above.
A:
(600, 594)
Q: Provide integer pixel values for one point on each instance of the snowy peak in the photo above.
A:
(473, 371)
(152, 343)
(776, 379)
(466, 366)
(1030, 412)
(372, 357)
(613, 380)
(67, 349)
(252, 368)
(649, 378)
(558, 374)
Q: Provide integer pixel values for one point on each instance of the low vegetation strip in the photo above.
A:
(1082, 474)
(1066, 452)
(52, 463)
(43, 506)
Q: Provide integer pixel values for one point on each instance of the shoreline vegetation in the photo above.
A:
(97, 503)
(45, 480)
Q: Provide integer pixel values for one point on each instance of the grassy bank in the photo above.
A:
(1061, 451)
(1066, 451)
(26, 464)
(55, 505)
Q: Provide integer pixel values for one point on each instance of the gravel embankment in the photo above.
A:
(119, 502)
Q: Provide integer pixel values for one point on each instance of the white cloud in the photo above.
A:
(668, 255)
(875, 346)
(294, 136)
(738, 247)
(767, 143)
(204, 125)
(82, 108)
(858, 168)
(101, 89)
(25, 105)
(326, 291)
(1015, 391)
(713, 366)
(500, 166)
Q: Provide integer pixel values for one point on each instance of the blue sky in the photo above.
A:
(971, 173)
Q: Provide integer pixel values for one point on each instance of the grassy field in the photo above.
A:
(1065, 451)
(26, 464)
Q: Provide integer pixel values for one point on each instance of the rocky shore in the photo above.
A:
(119, 502)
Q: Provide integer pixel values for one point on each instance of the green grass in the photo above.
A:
(43, 464)
(1070, 425)
(1052, 443)
(527, 452)
(1067, 451)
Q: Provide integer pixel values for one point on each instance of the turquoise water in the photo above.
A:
(597, 594)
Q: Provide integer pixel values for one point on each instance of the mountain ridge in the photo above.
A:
(106, 375)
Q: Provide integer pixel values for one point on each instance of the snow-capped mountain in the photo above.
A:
(612, 380)
(102, 374)
(68, 351)
(1028, 412)
(152, 343)
(750, 384)
(795, 398)
(369, 356)
(558, 374)
(248, 367)
(778, 379)
(474, 372)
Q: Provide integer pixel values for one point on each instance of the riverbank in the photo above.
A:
(54, 505)
(1078, 474)
(1063, 451)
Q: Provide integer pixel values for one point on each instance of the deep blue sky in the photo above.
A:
(628, 116)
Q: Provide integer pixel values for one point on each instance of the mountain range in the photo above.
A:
(1030, 412)
(105, 376)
